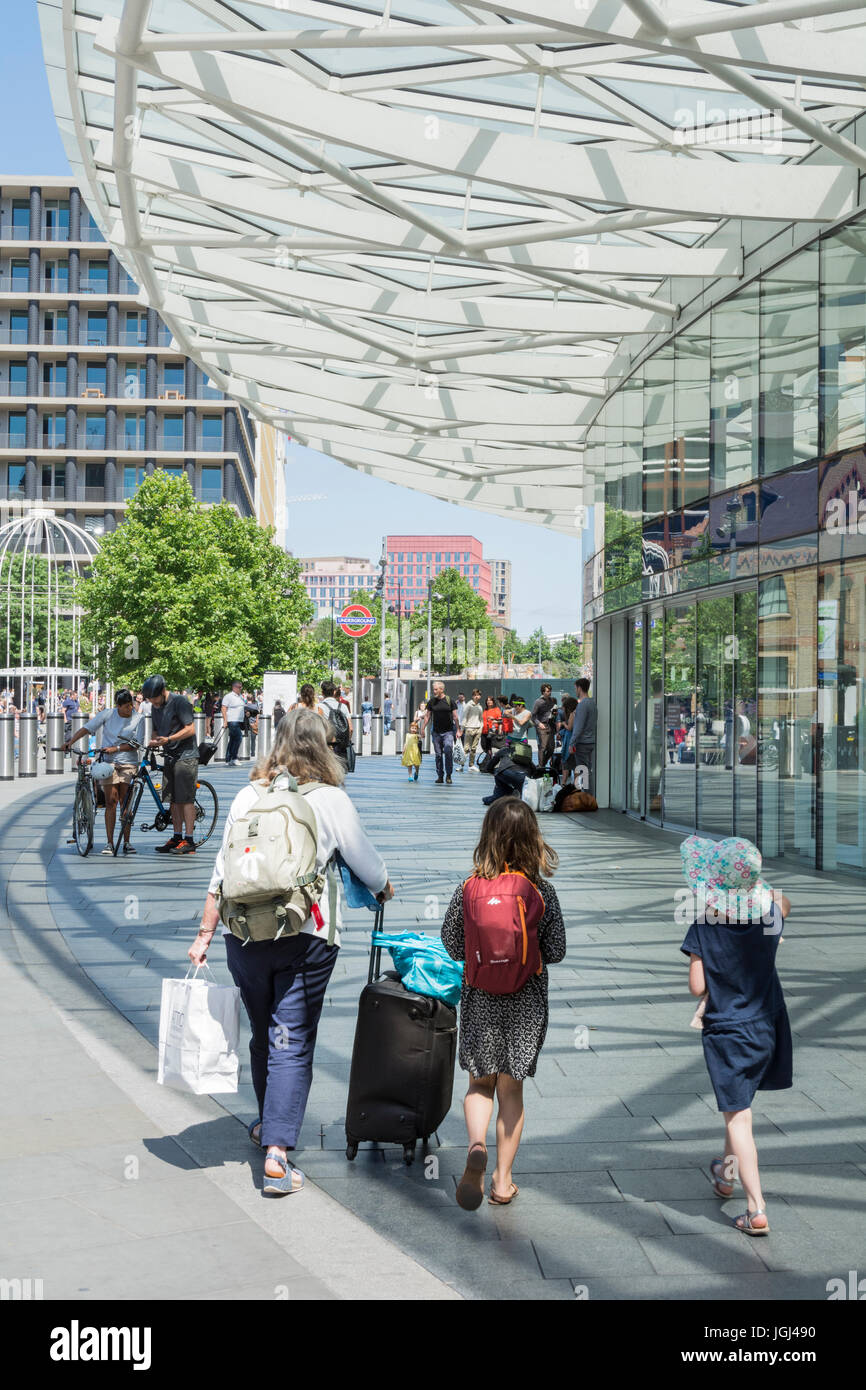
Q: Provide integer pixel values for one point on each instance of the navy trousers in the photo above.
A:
(236, 733)
(282, 984)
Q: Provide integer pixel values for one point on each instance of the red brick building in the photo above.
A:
(412, 560)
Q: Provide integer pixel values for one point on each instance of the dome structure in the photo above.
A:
(41, 558)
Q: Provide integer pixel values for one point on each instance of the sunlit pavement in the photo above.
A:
(614, 1200)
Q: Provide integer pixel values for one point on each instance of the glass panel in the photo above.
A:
(734, 391)
(635, 752)
(787, 714)
(789, 363)
(713, 748)
(789, 504)
(658, 448)
(692, 411)
(679, 777)
(841, 713)
(745, 720)
(655, 715)
(843, 338)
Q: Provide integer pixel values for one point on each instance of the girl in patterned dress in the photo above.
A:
(501, 1035)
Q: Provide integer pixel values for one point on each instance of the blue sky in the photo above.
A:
(357, 510)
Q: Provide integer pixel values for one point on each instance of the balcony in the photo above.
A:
(13, 388)
(132, 339)
(88, 285)
(16, 284)
(211, 495)
(131, 443)
(55, 388)
(60, 336)
(15, 231)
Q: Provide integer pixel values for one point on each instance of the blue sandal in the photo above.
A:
(283, 1186)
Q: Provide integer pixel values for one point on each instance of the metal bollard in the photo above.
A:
(358, 733)
(266, 734)
(53, 739)
(376, 733)
(244, 750)
(7, 747)
(217, 730)
(27, 745)
(147, 729)
(428, 737)
(399, 727)
(198, 721)
(77, 722)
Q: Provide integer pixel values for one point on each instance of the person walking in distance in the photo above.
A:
(503, 1017)
(543, 717)
(443, 712)
(581, 748)
(233, 711)
(174, 735)
(471, 724)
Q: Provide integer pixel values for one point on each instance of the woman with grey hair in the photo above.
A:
(283, 982)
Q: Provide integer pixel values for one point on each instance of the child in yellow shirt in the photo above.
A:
(412, 752)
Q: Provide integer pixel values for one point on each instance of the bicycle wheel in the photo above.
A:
(207, 809)
(127, 813)
(82, 819)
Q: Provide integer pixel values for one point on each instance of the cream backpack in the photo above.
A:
(271, 883)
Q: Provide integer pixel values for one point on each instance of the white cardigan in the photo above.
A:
(339, 828)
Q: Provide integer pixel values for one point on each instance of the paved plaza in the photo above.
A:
(112, 1186)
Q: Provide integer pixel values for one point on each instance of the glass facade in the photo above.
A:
(728, 480)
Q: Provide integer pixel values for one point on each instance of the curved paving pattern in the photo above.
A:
(613, 1192)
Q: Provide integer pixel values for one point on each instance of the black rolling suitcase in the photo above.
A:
(402, 1072)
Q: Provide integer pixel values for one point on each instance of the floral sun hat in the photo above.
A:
(726, 875)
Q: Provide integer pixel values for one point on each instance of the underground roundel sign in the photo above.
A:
(356, 620)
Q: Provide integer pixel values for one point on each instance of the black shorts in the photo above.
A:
(179, 779)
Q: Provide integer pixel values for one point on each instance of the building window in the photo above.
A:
(172, 431)
(17, 430)
(94, 432)
(57, 276)
(56, 220)
(97, 277)
(97, 330)
(18, 379)
(20, 275)
(21, 220)
(212, 432)
(94, 525)
(96, 377)
(211, 484)
(173, 377)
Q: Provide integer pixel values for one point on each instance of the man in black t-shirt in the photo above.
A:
(443, 712)
(174, 735)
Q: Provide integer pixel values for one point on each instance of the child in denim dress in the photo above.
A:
(731, 945)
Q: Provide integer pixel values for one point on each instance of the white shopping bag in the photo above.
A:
(531, 793)
(459, 753)
(546, 794)
(199, 1031)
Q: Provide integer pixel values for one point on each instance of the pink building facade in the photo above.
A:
(412, 560)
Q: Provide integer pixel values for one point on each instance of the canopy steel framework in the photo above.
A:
(420, 236)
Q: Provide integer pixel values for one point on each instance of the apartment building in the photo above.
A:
(93, 396)
(332, 581)
(500, 580)
(412, 560)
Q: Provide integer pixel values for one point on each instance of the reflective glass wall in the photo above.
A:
(729, 477)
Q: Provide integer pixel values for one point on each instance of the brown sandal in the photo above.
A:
(470, 1189)
(496, 1201)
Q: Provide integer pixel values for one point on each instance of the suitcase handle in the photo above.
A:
(375, 967)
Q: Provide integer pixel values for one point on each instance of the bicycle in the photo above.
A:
(206, 805)
(84, 803)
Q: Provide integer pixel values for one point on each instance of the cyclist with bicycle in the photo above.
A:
(174, 736)
(120, 733)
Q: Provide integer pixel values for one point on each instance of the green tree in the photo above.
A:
(568, 655)
(202, 595)
(536, 646)
(463, 630)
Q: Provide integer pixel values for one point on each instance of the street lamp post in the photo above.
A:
(383, 565)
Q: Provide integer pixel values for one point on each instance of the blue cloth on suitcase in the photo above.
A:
(356, 893)
(423, 964)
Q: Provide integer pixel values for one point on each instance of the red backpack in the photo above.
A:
(500, 925)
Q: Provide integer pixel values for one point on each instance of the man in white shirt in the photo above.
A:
(470, 722)
(121, 732)
(233, 708)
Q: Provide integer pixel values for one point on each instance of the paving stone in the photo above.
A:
(559, 1258)
(720, 1252)
(657, 1184)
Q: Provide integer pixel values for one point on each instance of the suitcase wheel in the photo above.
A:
(351, 1150)
(409, 1153)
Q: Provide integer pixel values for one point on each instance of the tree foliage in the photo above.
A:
(201, 595)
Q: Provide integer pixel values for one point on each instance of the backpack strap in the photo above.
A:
(330, 869)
